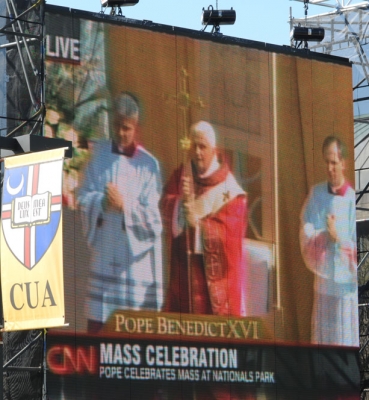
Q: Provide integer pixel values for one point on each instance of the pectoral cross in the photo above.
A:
(226, 196)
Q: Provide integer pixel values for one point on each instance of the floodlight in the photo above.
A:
(118, 3)
(307, 34)
(218, 17)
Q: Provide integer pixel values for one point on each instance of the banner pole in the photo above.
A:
(44, 366)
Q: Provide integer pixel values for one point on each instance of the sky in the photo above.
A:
(260, 20)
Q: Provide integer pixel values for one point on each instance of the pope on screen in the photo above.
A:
(205, 212)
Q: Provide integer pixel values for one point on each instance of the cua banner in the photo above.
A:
(32, 241)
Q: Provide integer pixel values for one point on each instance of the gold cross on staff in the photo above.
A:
(184, 100)
(184, 103)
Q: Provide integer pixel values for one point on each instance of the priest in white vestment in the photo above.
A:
(119, 203)
(328, 244)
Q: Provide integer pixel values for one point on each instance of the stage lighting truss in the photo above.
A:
(215, 18)
(116, 6)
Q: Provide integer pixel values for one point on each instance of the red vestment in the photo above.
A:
(217, 273)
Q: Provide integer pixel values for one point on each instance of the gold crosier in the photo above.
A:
(184, 99)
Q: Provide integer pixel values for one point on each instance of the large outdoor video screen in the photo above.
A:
(209, 216)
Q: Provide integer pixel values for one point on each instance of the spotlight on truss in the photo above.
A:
(307, 34)
(118, 3)
(216, 18)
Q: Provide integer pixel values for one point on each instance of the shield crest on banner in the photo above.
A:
(31, 209)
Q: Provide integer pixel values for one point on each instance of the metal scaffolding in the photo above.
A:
(23, 365)
(346, 25)
(22, 63)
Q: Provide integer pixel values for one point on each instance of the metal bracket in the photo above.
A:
(31, 143)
